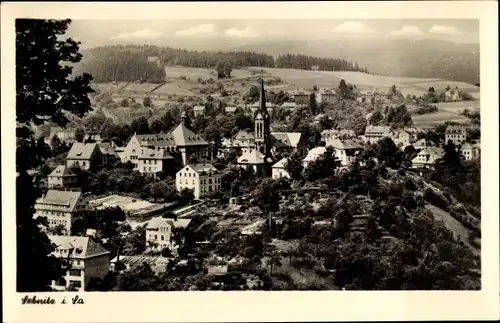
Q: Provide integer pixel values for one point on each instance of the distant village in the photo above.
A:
(265, 151)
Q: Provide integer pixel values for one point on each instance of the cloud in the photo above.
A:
(143, 33)
(352, 27)
(200, 30)
(241, 33)
(407, 30)
(444, 30)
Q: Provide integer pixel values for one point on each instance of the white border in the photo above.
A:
(263, 306)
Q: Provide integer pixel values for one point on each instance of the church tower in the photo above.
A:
(262, 125)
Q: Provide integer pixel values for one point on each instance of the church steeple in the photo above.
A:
(262, 125)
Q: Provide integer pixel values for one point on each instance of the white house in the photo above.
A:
(87, 259)
(278, 169)
(153, 161)
(257, 160)
(470, 151)
(59, 207)
(427, 157)
(84, 156)
(375, 133)
(159, 232)
(201, 178)
(346, 150)
(455, 134)
(61, 177)
(313, 154)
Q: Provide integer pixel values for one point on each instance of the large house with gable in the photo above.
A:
(180, 143)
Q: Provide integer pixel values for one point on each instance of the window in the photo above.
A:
(180, 174)
(75, 284)
(209, 181)
(161, 237)
(156, 237)
(75, 272)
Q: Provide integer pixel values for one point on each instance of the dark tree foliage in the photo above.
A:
(44, 91)
(297, 61)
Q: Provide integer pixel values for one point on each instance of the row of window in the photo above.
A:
(53, 222)
(162, 237)
(209, 189)
(150, 161)
(149, 169)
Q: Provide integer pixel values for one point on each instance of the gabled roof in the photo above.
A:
(244, 135)
(377, 129)
(200, 168)
(62, 171)
(155, 154)
(455, 129)
(183, 136)
(281, 163)
(107, 149)
(199, 108)
(314, 154)
(344, 144)
(156, 140)
(81, 151)
(286, 139)
(423, 142)
(82, 247)
(65, 199)
(156, 222)
(338, 133)
(253, 157)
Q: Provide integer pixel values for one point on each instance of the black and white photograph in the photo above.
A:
(188, 155)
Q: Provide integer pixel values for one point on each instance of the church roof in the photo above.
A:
(253, 157)
(286, 139)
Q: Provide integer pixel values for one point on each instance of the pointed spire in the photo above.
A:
(262, 97)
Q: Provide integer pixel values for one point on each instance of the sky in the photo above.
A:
(102, 32)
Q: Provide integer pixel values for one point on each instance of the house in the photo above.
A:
(423, 143)
(59, 207)
(230, 110)
(290, 106)
(470, 151)
(327, 96)
(65, 135)
(108, 151)
(61, 177)
(452, 96)
(180, 143)
(258, 161)
(86, 258)
(300, 97)
(156, 60)
(159, 232)
(199, 110)
(158, 264)
(201, 178)
(455, 134)
(288, 142)
(279, 171)
(313, 154)
(153, 161)
(346, 150)
(331, 134)
(375, 133)
(427, 157)
(84, 156)
(406, 136)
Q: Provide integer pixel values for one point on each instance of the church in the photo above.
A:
(260, 147)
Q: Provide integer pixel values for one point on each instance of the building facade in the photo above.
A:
(201, 178)
(159, 232)
(59, 207)
(61, 177)
(456, 134)
(153, 161)
(346, 150)
(279, 171)
(84, 156)
(374, 133)
(85, 258)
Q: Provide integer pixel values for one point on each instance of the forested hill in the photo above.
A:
(130, 62)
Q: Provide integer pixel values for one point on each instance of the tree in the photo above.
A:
(156, 126)
(386, 151)
(124, 103)
(147, 102)
(313, 106)
(44, 91)
(253, 94)
(140, 126)
(79, 134)
(375, 118)
(344, 91)
(294, 166)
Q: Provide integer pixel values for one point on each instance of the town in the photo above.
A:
(241, 185)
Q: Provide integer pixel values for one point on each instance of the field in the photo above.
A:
(203, 73)
(441, 116)
(458, 107)
(172, 88)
